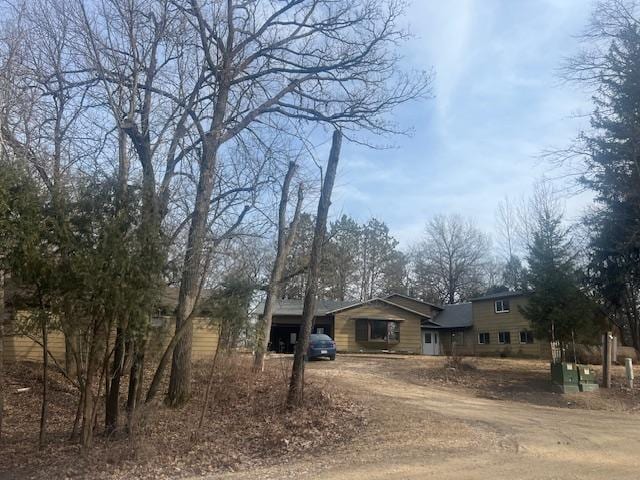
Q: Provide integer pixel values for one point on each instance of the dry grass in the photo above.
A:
(521, 380)
(246, 425)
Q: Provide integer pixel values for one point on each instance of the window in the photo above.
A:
(502, 306)
(526, 336)
(319, 329)
(504, 337)
(457, 338)
(484, 338)
(377, 330)
(427, 337)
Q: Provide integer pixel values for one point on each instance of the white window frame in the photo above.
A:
(502, 342)
(501, 309)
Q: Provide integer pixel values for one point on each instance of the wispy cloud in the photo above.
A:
(498, 106)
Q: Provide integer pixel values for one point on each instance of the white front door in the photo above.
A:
(430, 342)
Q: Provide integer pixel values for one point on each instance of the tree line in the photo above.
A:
(144, 144)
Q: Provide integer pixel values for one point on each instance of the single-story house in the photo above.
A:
(20, 345)
(487, 325)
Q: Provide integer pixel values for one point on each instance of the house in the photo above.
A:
(25, 345)
(390, 323)
(487, 325)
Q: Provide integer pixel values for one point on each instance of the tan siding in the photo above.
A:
(485, 319)
(466, 348)
(415, 305)
(205, 340)
(345, 329)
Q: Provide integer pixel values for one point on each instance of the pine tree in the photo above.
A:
(613, 159)
(557, 308)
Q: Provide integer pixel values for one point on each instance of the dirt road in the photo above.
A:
(418, 432)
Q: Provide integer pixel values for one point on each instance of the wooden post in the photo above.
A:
(606, 363)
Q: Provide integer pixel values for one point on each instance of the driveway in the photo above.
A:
(418, 432)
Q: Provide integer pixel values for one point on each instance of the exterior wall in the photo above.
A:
(414, 305)
(345, 329)
(485, 319)
(22, 348)
(205, 338)
(464, 348)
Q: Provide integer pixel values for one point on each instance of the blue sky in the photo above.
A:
(498, 105)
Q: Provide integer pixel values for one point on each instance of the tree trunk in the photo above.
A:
(2, 380)
(135, 382)
(180, 378)
(285, 240)
(112, 406)
(45, 367)
(296, 385)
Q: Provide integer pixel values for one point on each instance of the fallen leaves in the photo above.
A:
(246, 425)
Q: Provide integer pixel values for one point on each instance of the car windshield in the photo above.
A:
(320, 337)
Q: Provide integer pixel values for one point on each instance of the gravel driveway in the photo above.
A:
(418, 432)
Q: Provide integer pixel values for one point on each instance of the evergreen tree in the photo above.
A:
(557, 308)
(612, 159)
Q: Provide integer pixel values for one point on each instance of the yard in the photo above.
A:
(369, 416)
(496, 419)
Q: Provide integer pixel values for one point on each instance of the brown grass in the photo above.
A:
(521, 380)
(246, 425)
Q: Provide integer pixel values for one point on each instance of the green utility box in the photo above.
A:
(587, 378)
(564, 377)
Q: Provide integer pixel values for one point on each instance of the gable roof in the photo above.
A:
(499, 295)
(455, 315)
(293, 306)
(417, 300)
(383, 300)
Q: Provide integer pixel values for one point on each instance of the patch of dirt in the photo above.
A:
(521, 380)
(246, 426)
(450, 432)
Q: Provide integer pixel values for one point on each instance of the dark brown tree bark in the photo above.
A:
(285, 240)
(112, 403)
(112, 406)
(45, 367)
(296, 385)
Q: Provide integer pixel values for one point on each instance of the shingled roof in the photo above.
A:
(293, 306)
(455, 315)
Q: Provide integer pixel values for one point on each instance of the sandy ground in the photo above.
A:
(421, 431)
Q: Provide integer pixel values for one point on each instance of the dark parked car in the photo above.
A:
(321, 345)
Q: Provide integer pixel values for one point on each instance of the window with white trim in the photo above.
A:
(502, 306)
(484, 338)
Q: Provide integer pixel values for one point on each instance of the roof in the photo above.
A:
(455, 315)
(169, 299)
(383, 300)
(439, 307)
(293, 306)
(495, 296)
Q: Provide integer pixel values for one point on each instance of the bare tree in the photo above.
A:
(450, 258)
(285, 238)
(295, 396)
(314, 61)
